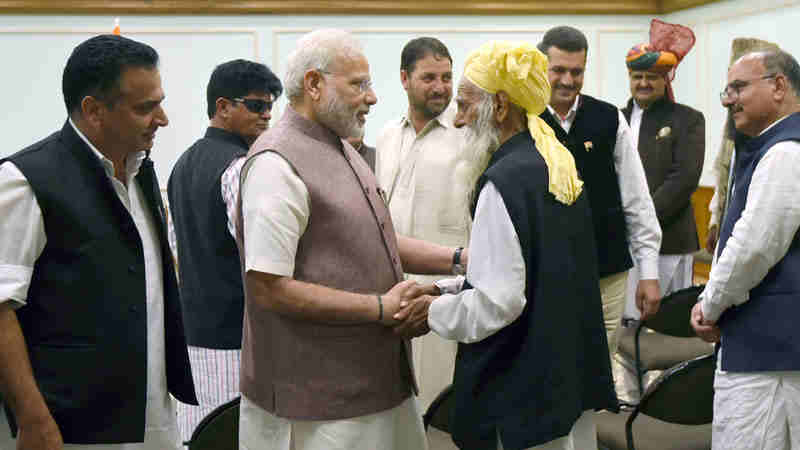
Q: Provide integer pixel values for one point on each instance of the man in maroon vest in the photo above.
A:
(322, 366)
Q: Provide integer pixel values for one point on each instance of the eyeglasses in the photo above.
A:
(254, 105)
(362, 86)
(732, 91)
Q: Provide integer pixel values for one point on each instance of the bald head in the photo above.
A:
(762, 88)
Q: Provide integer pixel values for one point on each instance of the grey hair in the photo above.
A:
(316, 50)
(779, 61)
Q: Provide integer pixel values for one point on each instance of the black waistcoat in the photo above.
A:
(212, 295)
(85, 319)
(591, 140)
(761, 334)
(531, 380)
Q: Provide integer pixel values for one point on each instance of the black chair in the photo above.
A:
(438, 413)
(219, 430)
(674, 414)
(667, 338)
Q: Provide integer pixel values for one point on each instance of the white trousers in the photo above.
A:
(583, 436)
(399, 428)
(756, 411)
(216, 381)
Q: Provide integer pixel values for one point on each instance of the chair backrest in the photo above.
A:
(219, 430)
(683, 394)
(673, 315)
(438, 413)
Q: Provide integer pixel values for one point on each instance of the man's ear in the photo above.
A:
(222, 104)
(502, 106)
(311, 84)
(781, 87)
(93, 111)
(404, 77)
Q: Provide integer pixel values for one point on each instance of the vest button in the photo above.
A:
(132, 269)
(133, 308)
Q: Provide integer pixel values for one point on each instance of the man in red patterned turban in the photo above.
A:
(670, 138)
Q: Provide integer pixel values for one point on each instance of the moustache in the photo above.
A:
(564, 86)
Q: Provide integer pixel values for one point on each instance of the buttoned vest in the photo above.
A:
(85, 318)
(300, 369)
(592, 140)
(761, 334)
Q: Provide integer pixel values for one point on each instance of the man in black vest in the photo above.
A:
(532, 361)
(203, 193)
(670, 138)
(750, 303)
(623, 215)
(90, 323)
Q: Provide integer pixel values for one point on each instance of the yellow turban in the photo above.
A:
(520, 70)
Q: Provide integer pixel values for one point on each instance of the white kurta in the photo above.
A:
(276, 209)
(24, 238)
(757, 409)
(425, 179)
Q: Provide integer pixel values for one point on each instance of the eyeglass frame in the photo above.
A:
(724, 96)
(364, 86)
(249, 101)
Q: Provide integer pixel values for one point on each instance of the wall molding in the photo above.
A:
(133, 31)
(349, 7)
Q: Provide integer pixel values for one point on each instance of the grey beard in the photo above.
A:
(335, 115)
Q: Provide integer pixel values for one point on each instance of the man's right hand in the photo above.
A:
(42, 434)
(398, 296)
(711, 239)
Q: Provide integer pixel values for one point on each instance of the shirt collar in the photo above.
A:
(132, 162)
(570, 114)
(445, 119)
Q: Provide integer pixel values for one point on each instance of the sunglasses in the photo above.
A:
(254, 105)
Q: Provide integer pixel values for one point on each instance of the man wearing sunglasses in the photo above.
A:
(203, 192)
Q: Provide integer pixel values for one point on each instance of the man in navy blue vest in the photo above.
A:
(203, 193)
(623, 215)
(750, 303)
(532, 362)
(91, 335)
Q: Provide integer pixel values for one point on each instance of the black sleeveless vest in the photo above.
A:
(528, 381)
(85, 319)
(591, 140)
(211, 287)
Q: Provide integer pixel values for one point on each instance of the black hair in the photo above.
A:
(96, 65)
(564, 38)
(419, 48)
(238, 78)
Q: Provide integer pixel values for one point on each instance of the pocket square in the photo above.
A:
(664, 132)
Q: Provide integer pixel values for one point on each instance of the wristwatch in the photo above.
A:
(458, 268)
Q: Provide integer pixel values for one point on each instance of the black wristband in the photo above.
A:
(380, 308)
(457, 256)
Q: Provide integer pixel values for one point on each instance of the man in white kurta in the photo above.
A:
(426, 177)
(22, 221)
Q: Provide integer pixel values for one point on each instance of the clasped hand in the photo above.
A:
(405, 308)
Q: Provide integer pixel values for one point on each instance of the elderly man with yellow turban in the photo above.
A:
(532, 360)
(670, 138)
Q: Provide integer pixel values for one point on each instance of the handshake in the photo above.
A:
(405, 308)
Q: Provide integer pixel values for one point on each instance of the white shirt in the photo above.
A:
(425, 176)
(636, 123)
(229, 189)
(644, 232)
(762, 235)
(22, 225)
(496, 271)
